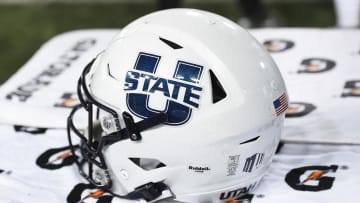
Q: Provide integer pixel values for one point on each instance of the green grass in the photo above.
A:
(23, 28)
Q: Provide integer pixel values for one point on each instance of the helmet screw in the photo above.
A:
(134, 136)
(124, 174)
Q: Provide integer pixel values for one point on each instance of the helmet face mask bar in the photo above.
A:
(91, 147)
(182, 104)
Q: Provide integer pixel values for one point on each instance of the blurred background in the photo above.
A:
(26, 24)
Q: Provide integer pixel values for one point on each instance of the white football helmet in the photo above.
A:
(183, 104)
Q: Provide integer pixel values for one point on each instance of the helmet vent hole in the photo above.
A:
(250, 140)
(109, 72)
(147, 163)
(218, 92)
(170, 43)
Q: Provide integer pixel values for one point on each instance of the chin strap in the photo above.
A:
(132, 130)
(150, 192)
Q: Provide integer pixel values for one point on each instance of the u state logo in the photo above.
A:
(182, 91)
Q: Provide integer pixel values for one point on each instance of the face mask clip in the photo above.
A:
(132, 130)
(149, 192)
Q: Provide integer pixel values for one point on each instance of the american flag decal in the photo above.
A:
(281, 104)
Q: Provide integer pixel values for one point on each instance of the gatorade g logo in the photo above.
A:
(88, 193)
(316, 65)
(178, 95)
(311, 178)
(299, 109)
(56, 158)
(30, 130)
(351, 89)
(278, 45)
(68, 100)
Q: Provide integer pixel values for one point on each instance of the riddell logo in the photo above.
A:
(199, 169)
(316, 65)
(311, 178)
(278, 45)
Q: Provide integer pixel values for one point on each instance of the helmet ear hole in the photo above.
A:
(147, 164)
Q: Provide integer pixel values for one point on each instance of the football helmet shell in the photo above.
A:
(189, 106)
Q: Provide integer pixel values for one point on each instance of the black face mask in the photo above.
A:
(91, 145)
